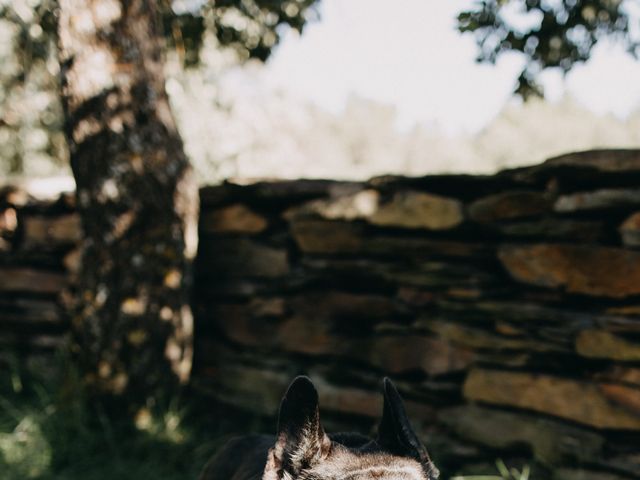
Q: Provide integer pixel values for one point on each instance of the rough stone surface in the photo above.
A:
(419, 210)
(602, 344)
(599, 199)
(473, 337)
(555, 229)
(31, 280)
(244, 257)
(401, 354)
(598, 271)
(511, 333)
(236, 218)
(552, 442)
(316, 236)
(40, 231)
(509, 206)
(579, 401)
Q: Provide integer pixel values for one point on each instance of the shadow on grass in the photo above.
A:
(47, 433)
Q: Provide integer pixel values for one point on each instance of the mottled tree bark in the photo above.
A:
(132, 325)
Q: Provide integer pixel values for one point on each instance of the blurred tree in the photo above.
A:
(549, 33)
(136, 195)
(30, 112)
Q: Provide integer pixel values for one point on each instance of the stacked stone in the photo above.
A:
(505, 307)
(38, 239)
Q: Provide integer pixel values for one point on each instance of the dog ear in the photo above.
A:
(301, 441)
(395, 433)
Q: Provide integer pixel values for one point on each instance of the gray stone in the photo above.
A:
(410, 209)
(597, 200)
(552, 442)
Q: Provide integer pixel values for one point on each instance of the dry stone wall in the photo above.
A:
(506, 307)
(38, 253)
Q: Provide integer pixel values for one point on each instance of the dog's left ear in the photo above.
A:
(395, 433)
(301, 442)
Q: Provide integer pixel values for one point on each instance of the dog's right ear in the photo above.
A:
(301, 442)
(395, 433)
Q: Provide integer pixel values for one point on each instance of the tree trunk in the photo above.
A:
(132, 327)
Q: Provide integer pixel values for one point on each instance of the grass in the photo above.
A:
(46, 433)
(503, 473)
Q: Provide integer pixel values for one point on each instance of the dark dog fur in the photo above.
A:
(302, 451)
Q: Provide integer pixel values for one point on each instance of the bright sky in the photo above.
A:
(410, 55)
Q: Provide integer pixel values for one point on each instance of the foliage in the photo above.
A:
(30, 111)
(236, 126)
(548, 33)
(49, 433)
(252, 27)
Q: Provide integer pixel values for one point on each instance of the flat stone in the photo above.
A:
(260, 390)
(509, 206)
(555, 229)
(598, 271)
(622, 374)
(434, 356)
(630, 230)
(31, 341)
(597, 200)
(24, 311)
(346, 399)
(476, 338)
(628, 462)
(330, 237)
(316, 324)
(319, 236)
(421, 248)
(626, 396)
(44, 231)
(242, 257)
(603, 344)
(551, 441)
(405, 209)
(254, 389)
(268, 307)
(352, 206)
(236, 218)
(344, 306)
(582, 402)
(23, 279)
(411, 209)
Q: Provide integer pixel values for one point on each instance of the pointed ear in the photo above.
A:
(395, 433)
(301, 441)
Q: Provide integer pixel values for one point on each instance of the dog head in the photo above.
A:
(303, 451)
